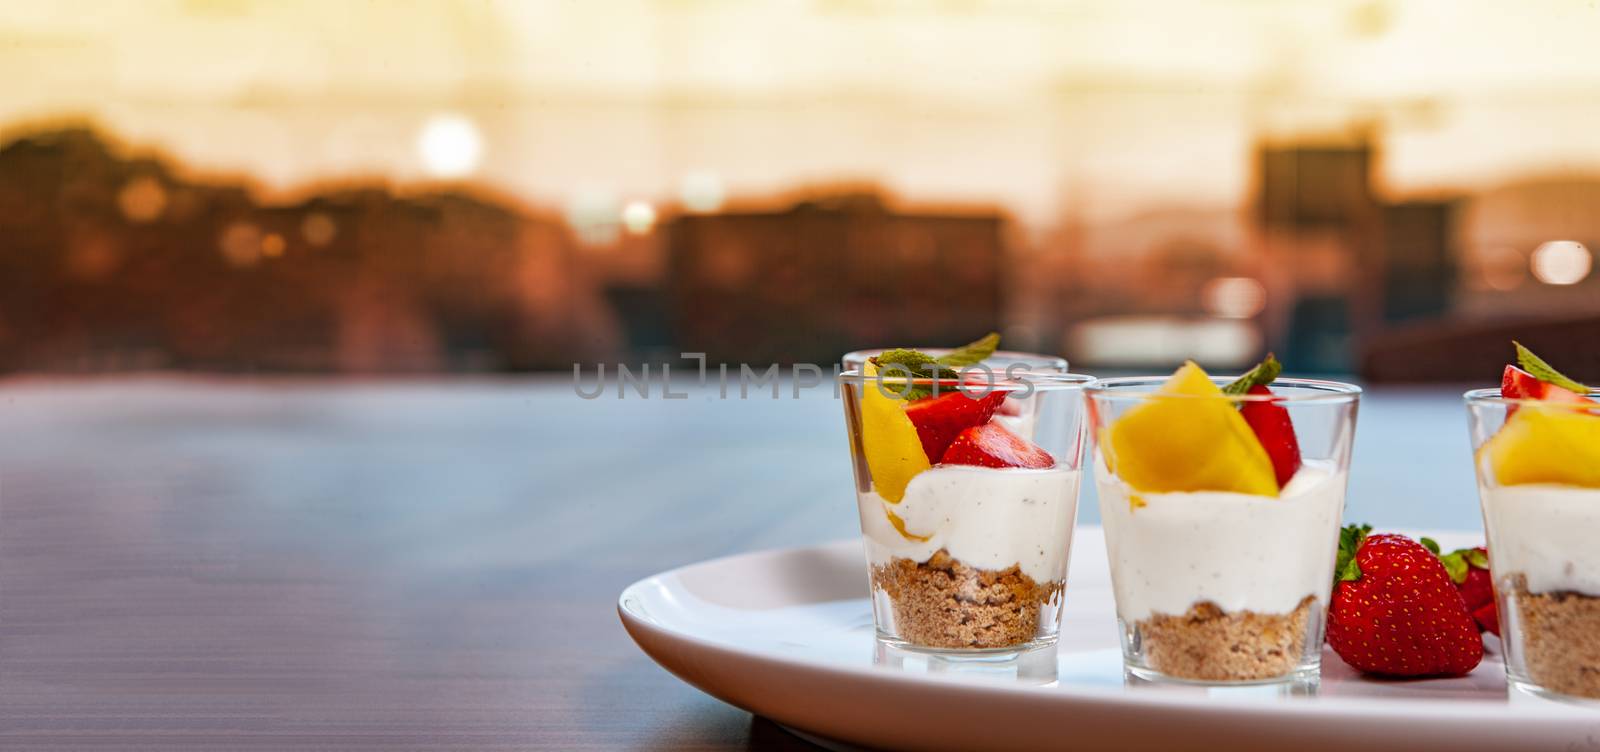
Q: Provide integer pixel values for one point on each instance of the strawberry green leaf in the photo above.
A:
(1431, 545)
(972, 353)
(1455, 565)
(1263, 374)
(1345, 568)
(1543, 371)
(1350, 572)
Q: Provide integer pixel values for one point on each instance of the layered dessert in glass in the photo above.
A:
(1537, 442)
(967, 524)
(1221, 501)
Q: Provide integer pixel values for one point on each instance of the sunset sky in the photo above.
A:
(1095, 107)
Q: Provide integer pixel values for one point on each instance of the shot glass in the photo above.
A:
(967, 525)
(1538, 471)
(1216, 579)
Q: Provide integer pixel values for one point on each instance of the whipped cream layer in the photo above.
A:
(1242, 552)
(988, 518)
(1547, 532)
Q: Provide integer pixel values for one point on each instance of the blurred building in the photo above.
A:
(1345, 263)
(808, 283)
(1159, 286)
(630, 265)
(1319, 224)
(1526, 273)
(1503, 230)
(113, 262)
(1419, 259)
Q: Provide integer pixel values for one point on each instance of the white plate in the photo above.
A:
(788, 635)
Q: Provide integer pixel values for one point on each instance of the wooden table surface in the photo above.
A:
(229, 564)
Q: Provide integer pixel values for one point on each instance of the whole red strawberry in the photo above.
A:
(1395, 611)
(1469, 570)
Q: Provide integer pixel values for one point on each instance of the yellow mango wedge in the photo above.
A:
(1179, 440)
(1546, 444)
(889, 439)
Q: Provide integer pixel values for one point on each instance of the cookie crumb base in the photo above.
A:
(1209, 644)
(1560, 639)
(943, 603)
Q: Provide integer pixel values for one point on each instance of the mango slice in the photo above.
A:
(889, 439)
(1181, 439)
(1546, 444)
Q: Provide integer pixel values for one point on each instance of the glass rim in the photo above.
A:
(1319, 390)
(1491, 396)
(1028, 382)
(1017, 355)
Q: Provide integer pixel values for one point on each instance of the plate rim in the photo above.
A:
(642, 629)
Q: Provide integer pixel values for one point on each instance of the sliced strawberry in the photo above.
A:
(1272, 426)
(991, 445)
(940, 419)
(1516, 383)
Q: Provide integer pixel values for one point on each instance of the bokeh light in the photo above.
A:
(318, 229)
(1561, 262)
(142, 199)
(701, 191)
(1233, 297)
(273, 245)
(1155, 340)
(241, 244)
(594, 216)
(639, 217)
(450, 146)
(93, 256)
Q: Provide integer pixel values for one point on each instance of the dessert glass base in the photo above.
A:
(1522, 692)
(1210, 646)
(1307, 684)
(1552, 641)
(1033, 664)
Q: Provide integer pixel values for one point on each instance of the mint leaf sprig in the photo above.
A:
(1263, 374)
(972, 353)
(914, 364)
(1537, 368)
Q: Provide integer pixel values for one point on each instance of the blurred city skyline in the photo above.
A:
(444, 186)
(114, 260)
